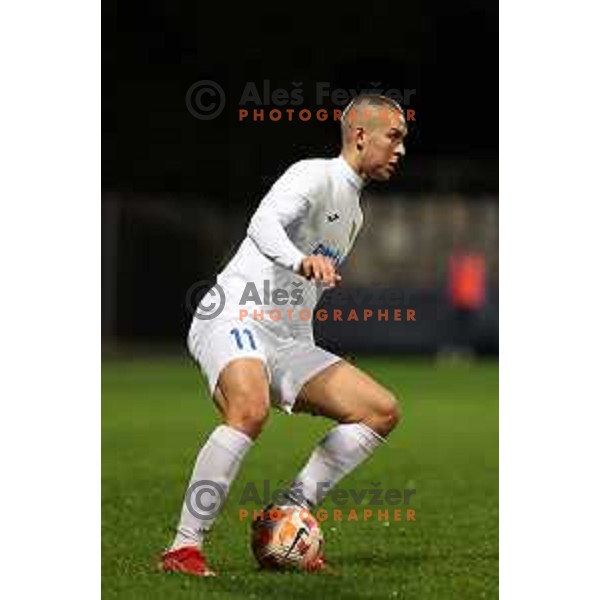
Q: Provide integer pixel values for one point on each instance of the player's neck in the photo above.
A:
(353, 162)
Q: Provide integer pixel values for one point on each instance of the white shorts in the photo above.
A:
(289, 362)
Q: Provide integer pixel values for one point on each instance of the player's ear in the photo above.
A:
(360, 138)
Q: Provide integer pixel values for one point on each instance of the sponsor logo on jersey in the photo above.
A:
(330, 252)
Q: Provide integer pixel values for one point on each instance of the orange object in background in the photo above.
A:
(466, 280)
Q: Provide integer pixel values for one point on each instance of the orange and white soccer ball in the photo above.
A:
(287, 538)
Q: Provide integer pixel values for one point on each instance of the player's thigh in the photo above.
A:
(348, 395)
(232, 356)
(242, 391)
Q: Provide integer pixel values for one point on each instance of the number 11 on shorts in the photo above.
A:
(240, 340)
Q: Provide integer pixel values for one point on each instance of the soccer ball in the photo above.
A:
(287, 538)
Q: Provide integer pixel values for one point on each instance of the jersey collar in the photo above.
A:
(355, 180)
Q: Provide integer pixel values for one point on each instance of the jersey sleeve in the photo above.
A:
(287, 203)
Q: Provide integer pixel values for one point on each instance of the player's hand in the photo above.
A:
(320, 269)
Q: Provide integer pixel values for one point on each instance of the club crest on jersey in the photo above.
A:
(333, 217)
(323, 250)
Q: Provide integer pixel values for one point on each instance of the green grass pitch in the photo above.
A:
(156, 413)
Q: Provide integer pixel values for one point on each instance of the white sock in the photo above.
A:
(338, 453)
(217, 465)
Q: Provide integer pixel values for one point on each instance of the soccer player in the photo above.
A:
(302, 230)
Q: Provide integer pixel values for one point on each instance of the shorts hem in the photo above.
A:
(288, 400)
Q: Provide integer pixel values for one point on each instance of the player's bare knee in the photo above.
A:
(386, 415)
(249, 417)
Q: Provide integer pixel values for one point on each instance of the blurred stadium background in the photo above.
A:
(178, 191)
(437, 251)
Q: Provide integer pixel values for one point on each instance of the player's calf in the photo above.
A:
(242, 396)
(366, 413)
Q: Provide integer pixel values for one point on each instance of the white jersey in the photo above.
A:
(313, 208)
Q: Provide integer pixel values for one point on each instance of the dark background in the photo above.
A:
(177, 191)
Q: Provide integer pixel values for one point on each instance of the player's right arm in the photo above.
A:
(287, 204)
(319, 268)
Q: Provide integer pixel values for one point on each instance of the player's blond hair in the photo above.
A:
(362, 108)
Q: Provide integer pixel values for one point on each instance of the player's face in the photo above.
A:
(384, 146)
